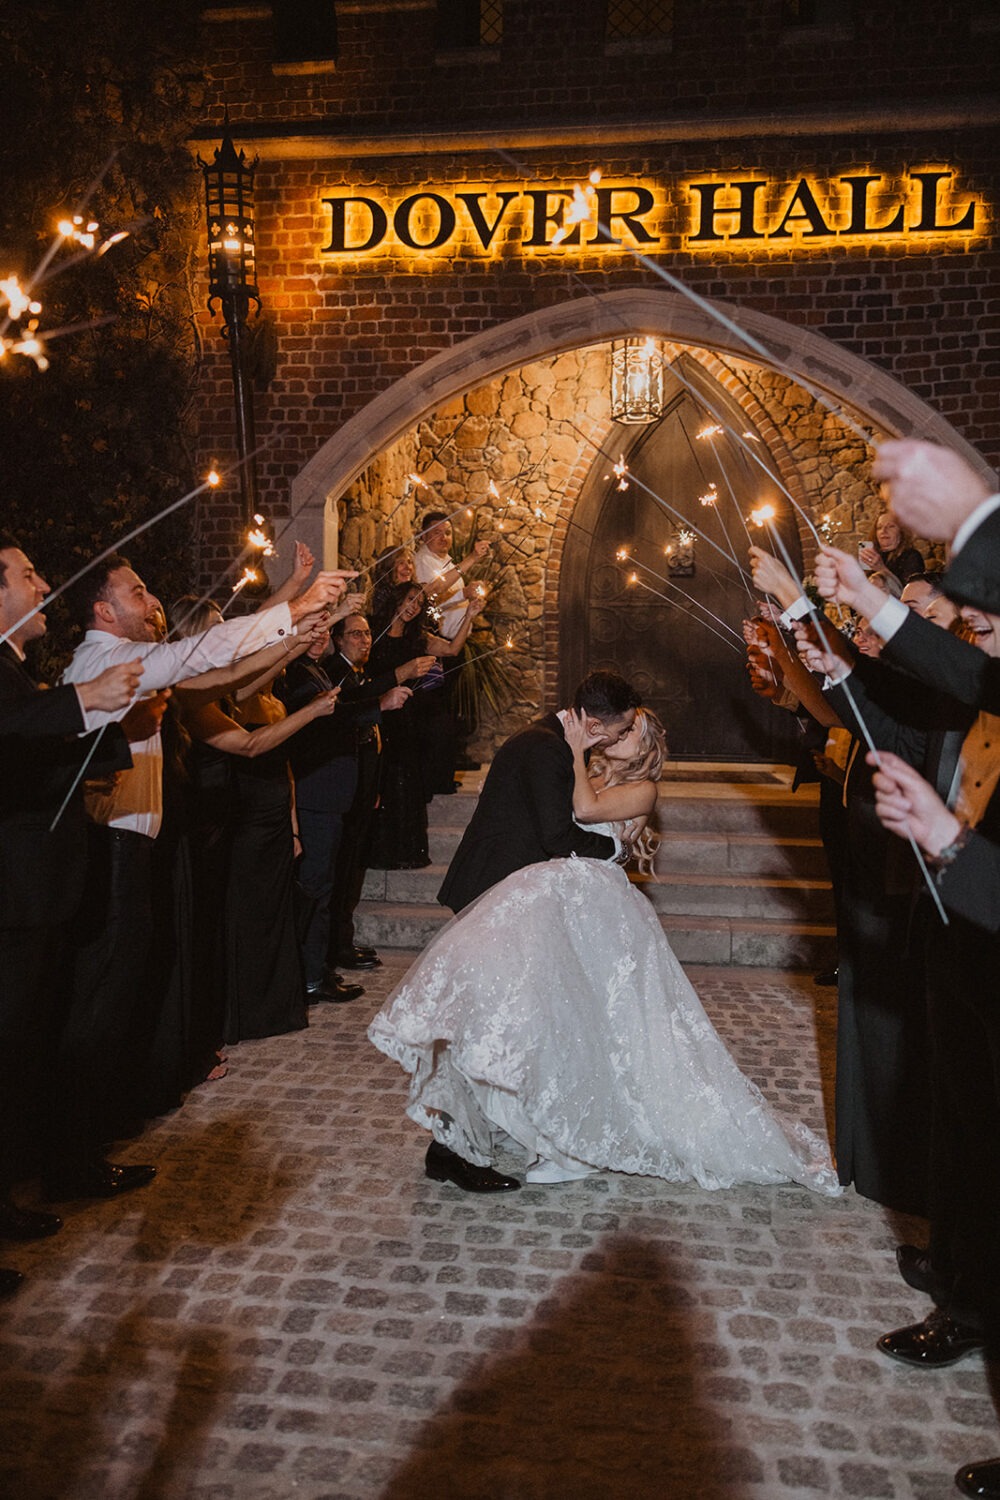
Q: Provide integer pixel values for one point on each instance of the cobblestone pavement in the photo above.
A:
(292, 1309)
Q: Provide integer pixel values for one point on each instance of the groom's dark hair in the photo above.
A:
(605, 695)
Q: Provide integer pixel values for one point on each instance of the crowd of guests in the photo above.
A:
(185, 825)
(894, 675)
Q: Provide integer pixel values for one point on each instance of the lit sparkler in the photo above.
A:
(257, 536)
(250, 575)
(621, 473)
(710, 430)
(582, 209)
(711, 495)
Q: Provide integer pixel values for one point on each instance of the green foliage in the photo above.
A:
(97, 443)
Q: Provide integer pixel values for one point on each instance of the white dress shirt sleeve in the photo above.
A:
(887, 620)
(167, 662)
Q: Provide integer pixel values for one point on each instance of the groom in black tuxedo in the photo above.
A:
(525, 816)
(525, 809)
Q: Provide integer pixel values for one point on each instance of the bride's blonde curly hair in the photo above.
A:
(645, 765)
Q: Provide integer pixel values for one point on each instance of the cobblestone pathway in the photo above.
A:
(292, 1309)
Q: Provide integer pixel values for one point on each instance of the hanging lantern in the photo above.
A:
(636, 381)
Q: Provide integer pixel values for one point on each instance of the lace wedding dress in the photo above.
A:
(553, 1008)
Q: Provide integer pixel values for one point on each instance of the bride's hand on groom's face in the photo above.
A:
(576, 732)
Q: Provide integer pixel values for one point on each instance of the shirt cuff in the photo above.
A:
(887, 620)
(795, 611)
(837, 676)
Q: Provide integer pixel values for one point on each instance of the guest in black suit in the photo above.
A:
(525, 810)
(936, 492)
(335, 763)
(42, 867)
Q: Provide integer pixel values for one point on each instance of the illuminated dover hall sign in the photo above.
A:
(914, 206)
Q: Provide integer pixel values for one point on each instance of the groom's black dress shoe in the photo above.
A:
(443, 1165)
(98, 1178)
(935, 1342)
(980, 1480)
(916, 1270)
(333, 989)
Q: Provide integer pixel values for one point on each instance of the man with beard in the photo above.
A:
(111, 985)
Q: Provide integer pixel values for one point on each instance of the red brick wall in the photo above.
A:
(350, 326)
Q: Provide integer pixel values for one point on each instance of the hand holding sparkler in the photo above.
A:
(826, 660)
(772, 577)
(841, 579)
(394, 698)
(144, 718)
(931, 489)
(351, 604)
(909, 807)
(419, 666)
(327, 589)
(113, 689)
(323, 704)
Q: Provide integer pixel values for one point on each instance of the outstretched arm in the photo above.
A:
(613, 804)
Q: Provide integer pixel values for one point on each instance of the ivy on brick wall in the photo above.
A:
(98, 442)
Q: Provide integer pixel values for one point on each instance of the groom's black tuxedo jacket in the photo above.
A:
(524, 815)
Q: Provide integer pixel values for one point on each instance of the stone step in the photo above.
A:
(718, 895)
(695, 940)
(702, 853)
(750, 809)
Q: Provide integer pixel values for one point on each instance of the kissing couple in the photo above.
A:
(552, 1009)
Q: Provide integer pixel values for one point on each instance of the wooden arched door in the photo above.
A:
(676, 634)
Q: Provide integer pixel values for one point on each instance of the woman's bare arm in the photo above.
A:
(207, 722)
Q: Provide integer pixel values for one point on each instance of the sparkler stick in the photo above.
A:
(209, 483)
(624, 556)
(762, 518)
(708, 432)
(81, 773)
(634, 479)
(634, 578)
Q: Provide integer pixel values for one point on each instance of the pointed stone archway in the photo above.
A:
(592, 319)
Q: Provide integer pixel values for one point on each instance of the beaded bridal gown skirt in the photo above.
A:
(553, 1008)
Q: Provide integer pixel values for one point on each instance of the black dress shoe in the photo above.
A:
(26, 1223)
(359, 958)
(916, 1270)
(932, 1344)
(98, 1179)
(332, 989)
(980, 1480)
(443, 1165)
(9, 1282)
(826, 977)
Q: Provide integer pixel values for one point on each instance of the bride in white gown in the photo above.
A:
(553, 1009)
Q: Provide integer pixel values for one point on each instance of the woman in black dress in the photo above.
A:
(400, 633)
(244, 836)
(891, 549)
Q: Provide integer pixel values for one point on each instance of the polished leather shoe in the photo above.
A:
(9, 1282)
(99, 1179)
(932, 1344)
(826, 977)
(26, 1223)
(916, 1270)
(980, 1480)
(359, 958)
(334, 990)
(443, 1165)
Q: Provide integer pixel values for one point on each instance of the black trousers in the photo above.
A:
(32, 966)
(112, 992)
(352, 856)
(964, 985)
